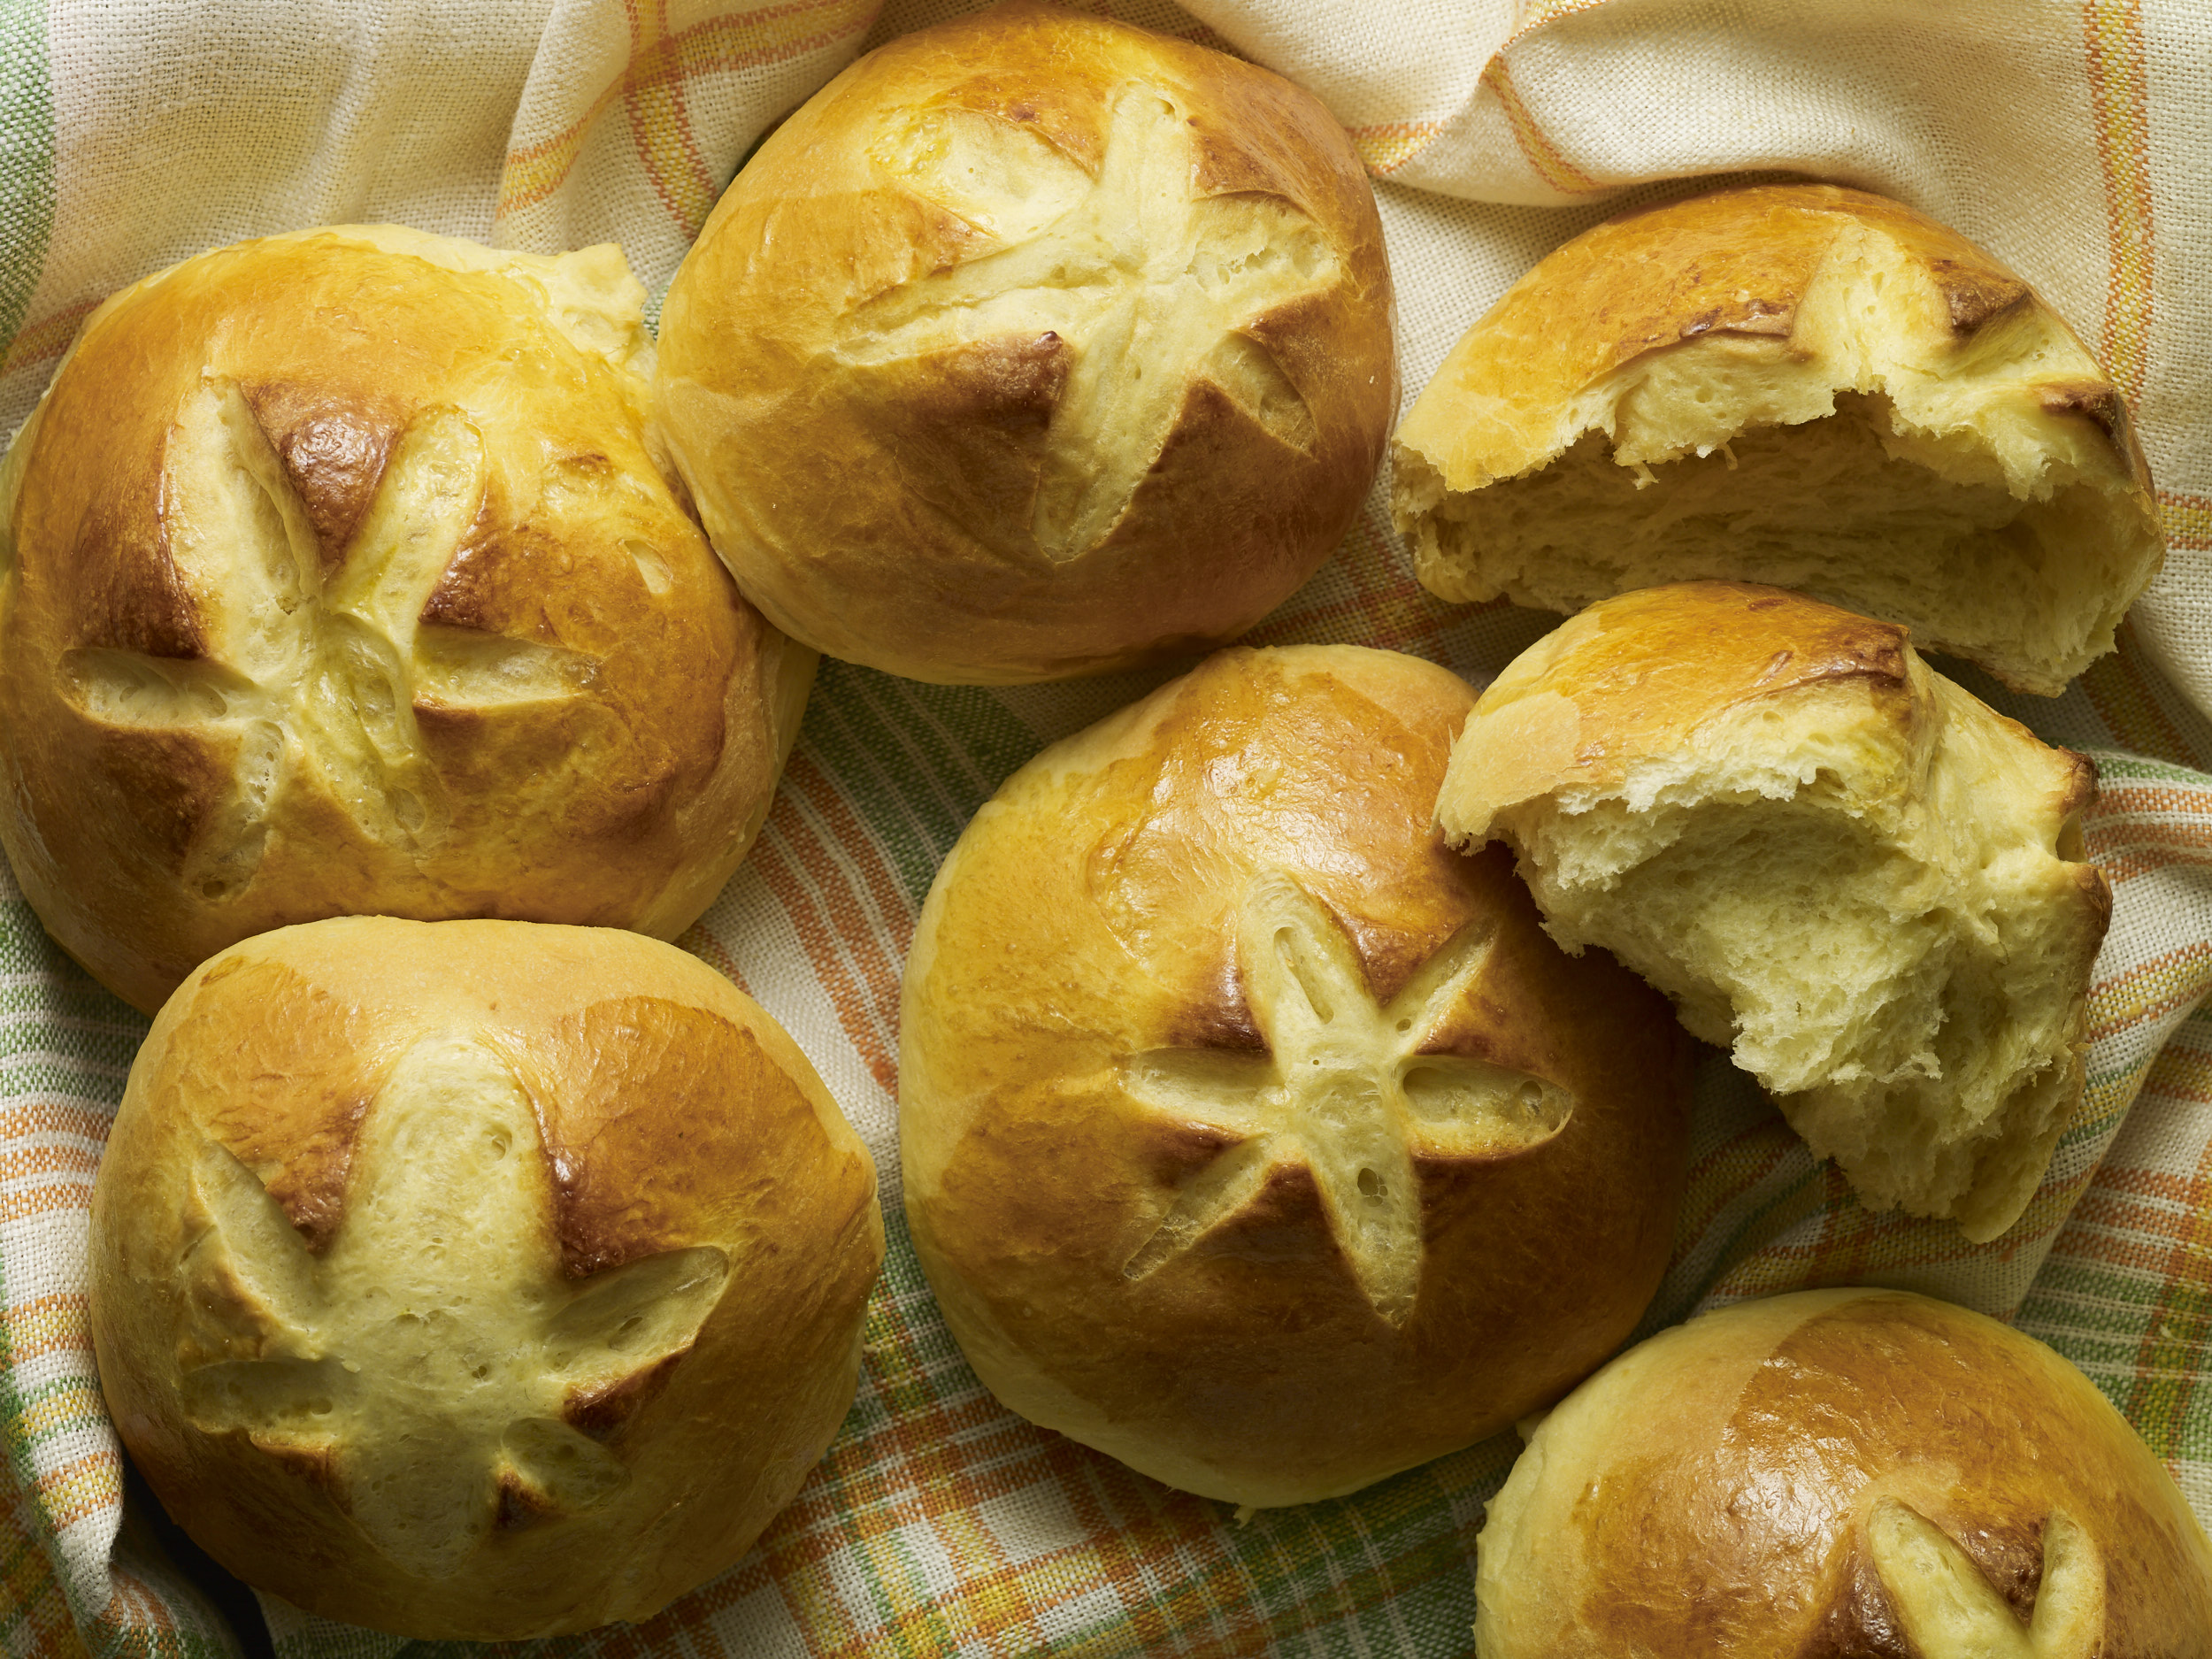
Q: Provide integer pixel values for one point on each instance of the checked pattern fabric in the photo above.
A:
(135, 133)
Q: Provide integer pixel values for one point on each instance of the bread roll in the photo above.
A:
(1845, 1472)
(1034, 345)
(1795, 384)
(476, 1280)
(1861, 877)
(336, 577)
(1250, 1135)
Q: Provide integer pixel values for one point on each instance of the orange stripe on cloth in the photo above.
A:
(1552, 167)
(2187, 519)
(45, 1200)
(2127, 851)
(2125, 700)
(2112, 34)
(54, 1117)
(2150, 989)
(661, 60)
(1388, 145)
(48, 338)
(61, 1322)
(80, 1488)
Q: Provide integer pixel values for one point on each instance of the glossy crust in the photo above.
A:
(1826, 739)
(1250, 1136)
(665, 1122)
(894, 367)
(1807, 1475)
(339, 578)
(1677, 329)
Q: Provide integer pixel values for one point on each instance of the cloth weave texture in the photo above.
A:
(2062, 136)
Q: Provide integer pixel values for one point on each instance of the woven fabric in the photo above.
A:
(2063, 136)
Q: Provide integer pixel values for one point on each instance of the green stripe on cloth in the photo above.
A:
(26, 159)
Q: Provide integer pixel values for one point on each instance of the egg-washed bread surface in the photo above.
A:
(476, 1280)
(1034, 345)
(1248, 1134)
(336, 577)
(1840, 1473)
(1861, 877)
(1796, 384)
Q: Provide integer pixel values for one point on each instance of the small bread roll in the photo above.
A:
(1034, 345)
(336, 578)
(1250, 1135)
(1846, 1472)
(1795, 384)
(1861, 877)
(476, 1280)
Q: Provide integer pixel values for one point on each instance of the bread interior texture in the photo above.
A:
(1855, 507)
(1904, 973)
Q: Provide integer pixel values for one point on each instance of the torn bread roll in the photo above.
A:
(1861, 879)
(1796, 384)
(1250, 1136)
(1840, 1473)
(476, 1280)
(337, 578)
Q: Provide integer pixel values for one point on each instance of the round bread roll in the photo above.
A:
(476, 1280)
(336, 577)
(1860, 876)
(1797, 384)
(1250, 1135)
(1034, 345)
(1845, 1472)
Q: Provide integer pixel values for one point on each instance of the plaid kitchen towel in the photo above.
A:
(2067, 138)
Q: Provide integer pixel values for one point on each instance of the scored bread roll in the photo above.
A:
(1248, 1134)
(336, 577)
(1034, 345)
(1797, 384)
(476, 1280)
(1860, 876)
(1845, 1472)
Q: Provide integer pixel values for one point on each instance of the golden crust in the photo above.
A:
(873, 363)
(1770, 303)
(1141, 1232)
(673, 1120)
(1772, 1474)
(342, 581)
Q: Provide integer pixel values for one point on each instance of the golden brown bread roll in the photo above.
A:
(1797, 384)
(1250, 1135)
(1034, 345)
(476, 1279)
(1830, 856)
(1845, 1472)
(336, 577)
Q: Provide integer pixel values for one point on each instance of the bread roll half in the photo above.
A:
(476, 1280)
(1796, 384)
(1858, 876)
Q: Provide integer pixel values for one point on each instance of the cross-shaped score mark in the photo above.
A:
(312, 672)
(1343, 1089)
(435, 1349)
(1152, 288)
(1951, 1610)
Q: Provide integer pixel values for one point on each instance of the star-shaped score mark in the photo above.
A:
(433, 1359)
(318, 670)
(1344, 1090)
(1951, 1610)
(1152, 286)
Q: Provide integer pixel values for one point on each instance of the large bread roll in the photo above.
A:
(1857, 1473)
(1248, 1134)
(1860, 876)
(1795, 384)
(476, 1279)
(336, 578)
(1034, 345)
